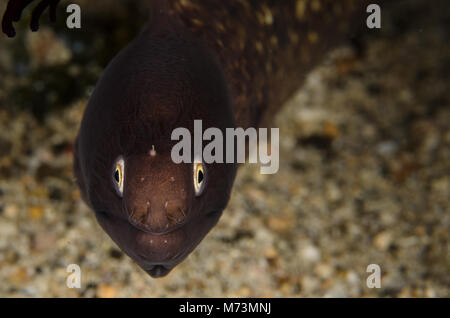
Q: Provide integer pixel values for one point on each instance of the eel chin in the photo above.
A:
(158, 254)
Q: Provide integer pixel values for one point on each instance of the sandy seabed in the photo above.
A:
(364, 179)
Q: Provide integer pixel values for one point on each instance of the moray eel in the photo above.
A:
(230, 64)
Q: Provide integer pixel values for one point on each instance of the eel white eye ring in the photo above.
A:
(118, 175)
(199, 178)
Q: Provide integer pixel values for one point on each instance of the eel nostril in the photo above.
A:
(148, 212)
(132, 214)
(157, 217)
(174, 211)
(183, 214)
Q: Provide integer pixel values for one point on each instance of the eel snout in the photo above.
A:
(158, 219)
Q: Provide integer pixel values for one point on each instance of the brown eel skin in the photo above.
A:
(229, 63)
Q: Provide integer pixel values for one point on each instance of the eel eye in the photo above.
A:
(118, 175)
(199, 178)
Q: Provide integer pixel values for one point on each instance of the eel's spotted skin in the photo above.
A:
(267, 47)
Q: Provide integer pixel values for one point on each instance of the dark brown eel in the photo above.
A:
(229, 63)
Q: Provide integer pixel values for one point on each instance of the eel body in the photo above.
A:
(228, 63)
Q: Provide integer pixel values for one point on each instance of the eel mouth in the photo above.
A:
(146, 229)
(164, 266)
(169, 230)
(158, 253)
